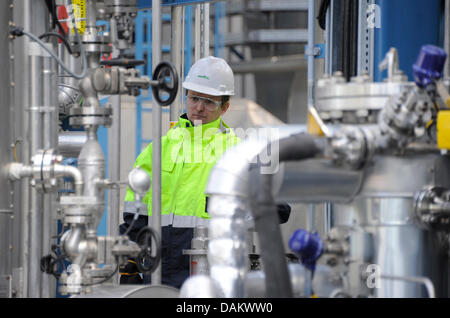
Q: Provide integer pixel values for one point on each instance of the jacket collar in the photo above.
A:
(184, 122)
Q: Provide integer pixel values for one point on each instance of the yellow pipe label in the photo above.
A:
(443, 129)
(313, 127)
(79, 10)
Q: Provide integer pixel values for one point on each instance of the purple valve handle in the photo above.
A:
(429, 65)
(307, 245)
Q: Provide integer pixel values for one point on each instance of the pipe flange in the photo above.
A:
(74, 283)
(43, 162)
(92, 43)
(82, 116)
(79, 209)
(119, 7)
(432, 208)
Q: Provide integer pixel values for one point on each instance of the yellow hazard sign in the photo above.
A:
(79, 10)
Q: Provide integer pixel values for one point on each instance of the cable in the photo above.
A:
(136, 216)
(51, 6)
(61, 63)
(17, 31)
(59, 36)
(50, 262)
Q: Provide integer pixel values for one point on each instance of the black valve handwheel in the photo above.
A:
(145, 262)
(167, 77)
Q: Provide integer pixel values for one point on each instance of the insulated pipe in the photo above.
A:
(156, 135)
(228, 207)
(228, 188)
(293, 148)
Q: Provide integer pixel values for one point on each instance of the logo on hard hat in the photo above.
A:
(203, 76)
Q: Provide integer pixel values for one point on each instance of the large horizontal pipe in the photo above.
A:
(231, 197)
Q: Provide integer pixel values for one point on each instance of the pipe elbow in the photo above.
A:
(71, 242)
(70, 171)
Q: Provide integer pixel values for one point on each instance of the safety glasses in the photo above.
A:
(208, 103)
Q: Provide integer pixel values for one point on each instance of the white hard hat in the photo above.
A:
(210, 75)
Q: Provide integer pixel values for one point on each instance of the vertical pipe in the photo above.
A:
(22, 13)
(447, 38)
(197, 33)
(219, 29)
(156, 135)
(176, 36)
(311, 73)
(148, 42)
(205, 33)
(183, 60)
(188, 40)
(114, 170)
(329, 39)
(114, 132)
(35, 220)
(50, 128)
(139, 54)
(311, 68)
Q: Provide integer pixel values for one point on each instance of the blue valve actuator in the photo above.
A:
(308, 246)
(429, 65)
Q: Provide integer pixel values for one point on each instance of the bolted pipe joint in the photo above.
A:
(51, 172)
(432, 208)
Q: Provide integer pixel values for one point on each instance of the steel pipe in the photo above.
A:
(176, 39)
(71, 142)
(70, 171)
(156, 135)
(229, 204)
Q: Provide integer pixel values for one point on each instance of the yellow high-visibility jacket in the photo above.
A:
(188, 154)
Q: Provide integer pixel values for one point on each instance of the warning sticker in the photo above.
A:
(79, 10)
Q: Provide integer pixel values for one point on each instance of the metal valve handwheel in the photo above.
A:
(167, 77)
(145, 262)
